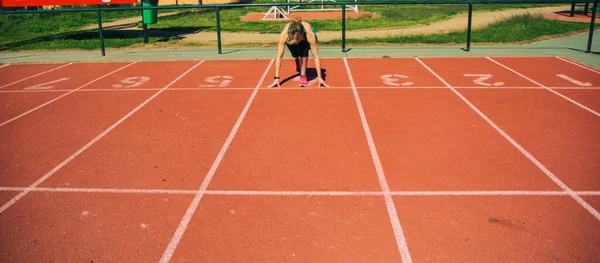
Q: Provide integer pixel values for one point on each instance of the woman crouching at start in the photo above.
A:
(299, 37)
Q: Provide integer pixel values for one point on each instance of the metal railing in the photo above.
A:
(218, 7)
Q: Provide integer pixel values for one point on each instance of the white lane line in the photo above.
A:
(166, 257)
(85, 147)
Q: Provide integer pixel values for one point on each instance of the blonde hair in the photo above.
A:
(296, 27)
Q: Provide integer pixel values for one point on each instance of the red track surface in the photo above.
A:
(431, 159)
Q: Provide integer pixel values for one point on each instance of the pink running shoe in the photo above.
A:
(303, 81)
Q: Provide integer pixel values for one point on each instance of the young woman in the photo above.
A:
(299, 37)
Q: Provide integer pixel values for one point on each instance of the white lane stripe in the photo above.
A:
(548, 89)
(101, 190)
(85, 147)
(293, 193)
(578, 64)
(61, 96)
(308, 88)
(166, 257)
(518, 146)
(39, 74)
(34, 91)
(389, 201)
(300, 193)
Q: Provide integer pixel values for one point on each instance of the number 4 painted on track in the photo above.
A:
(576, 82)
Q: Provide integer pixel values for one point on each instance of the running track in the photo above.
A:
(402, 160)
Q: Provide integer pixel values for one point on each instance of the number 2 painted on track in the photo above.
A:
(131, 82)
(394, 79)
(481, 78)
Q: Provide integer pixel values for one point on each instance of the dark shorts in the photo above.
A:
(299, 50)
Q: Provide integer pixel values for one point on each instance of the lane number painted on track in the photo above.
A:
(131, 82)
(574, 81)
(481, 78)
(394, 80)
(44, 86)
(217, 82)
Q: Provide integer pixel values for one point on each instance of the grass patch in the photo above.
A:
(63, 30)
(391, 17)
(84, 40)
(516, 29)
(27, 26)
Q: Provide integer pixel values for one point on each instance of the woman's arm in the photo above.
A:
(280, 52)
(312, 40)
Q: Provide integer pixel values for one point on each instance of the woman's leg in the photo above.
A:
(303, 65)
(295, 54)
(304, 48)
(297, 63)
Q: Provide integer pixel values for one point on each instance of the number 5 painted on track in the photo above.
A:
(217, 81)
(132, 81)
(482, 78)
(393, 79)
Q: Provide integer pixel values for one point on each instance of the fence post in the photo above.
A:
(343, 28)
(573, 9)
(145, 29)
(469, 28)
(589, 46)
(218, 30)
(100, 32)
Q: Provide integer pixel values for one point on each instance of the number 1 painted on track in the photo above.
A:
(574, 81)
